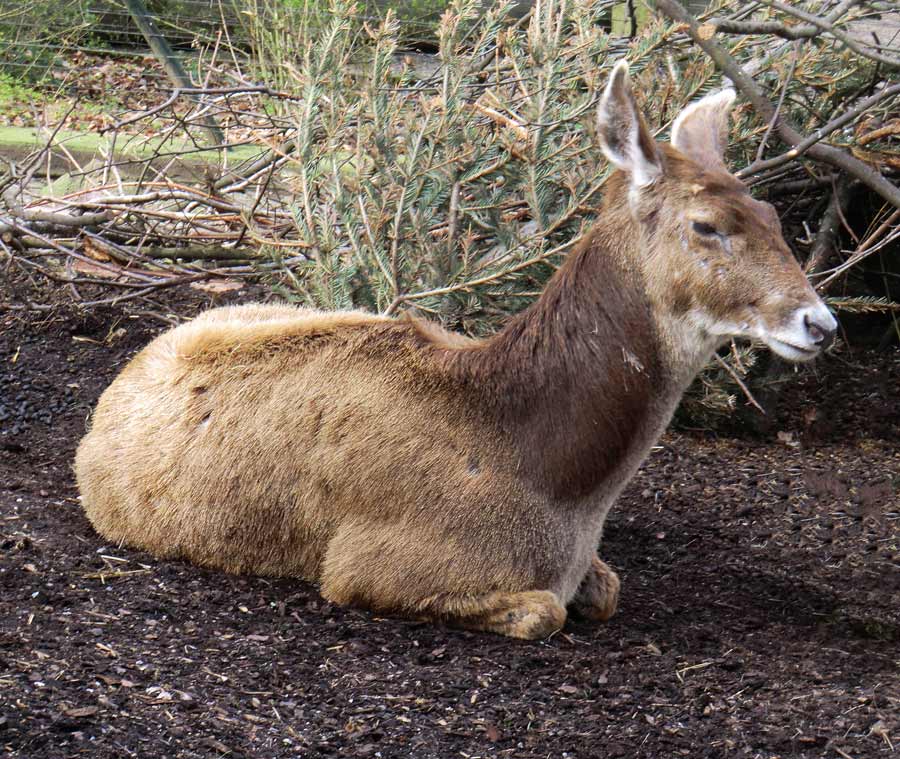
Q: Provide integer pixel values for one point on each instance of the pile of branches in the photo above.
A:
(455, 187)
(155, 213)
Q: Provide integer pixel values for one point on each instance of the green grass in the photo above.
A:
(88, 150)
(17, 143)
(13, 92)
(126, 147)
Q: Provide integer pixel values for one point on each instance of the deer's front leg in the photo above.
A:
(598, 594)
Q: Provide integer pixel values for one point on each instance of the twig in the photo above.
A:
(740, 383)
(34, 162)
(876, 134)
(869, 246)
(784, 88)
(113, 574)
(778, 28)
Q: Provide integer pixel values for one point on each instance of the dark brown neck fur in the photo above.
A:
(573, 379)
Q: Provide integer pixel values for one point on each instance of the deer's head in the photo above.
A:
(714, 257)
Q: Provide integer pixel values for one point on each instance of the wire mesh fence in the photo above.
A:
(35, 35)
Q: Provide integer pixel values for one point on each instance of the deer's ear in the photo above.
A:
(624, 136)
(701, 129)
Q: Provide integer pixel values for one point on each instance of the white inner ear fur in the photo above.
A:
(619, 131)
(643, 172)
(704, 123)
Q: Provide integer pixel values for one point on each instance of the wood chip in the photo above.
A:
(217, 745)
(83, 711)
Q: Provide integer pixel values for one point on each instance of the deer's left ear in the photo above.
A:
(701, 129)
(624, 137)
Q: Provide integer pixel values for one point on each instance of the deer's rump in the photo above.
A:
(188, 454)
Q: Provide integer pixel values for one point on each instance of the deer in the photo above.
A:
(419, 473)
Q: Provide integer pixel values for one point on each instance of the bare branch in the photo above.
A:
(879, 239)
(822, 132)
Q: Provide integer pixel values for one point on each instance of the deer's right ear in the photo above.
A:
(624, 137)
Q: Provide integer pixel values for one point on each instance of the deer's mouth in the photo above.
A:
(791, 351)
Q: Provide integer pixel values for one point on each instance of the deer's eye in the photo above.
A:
(705, 230)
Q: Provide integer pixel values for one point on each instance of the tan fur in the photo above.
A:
(416, 472)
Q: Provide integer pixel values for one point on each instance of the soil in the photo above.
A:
(759, 614)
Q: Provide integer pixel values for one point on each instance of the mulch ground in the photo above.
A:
(759, 613)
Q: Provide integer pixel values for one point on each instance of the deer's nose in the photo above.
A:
(819, 329)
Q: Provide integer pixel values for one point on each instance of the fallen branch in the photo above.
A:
(186, 253)
(822, 132)
(55, 219)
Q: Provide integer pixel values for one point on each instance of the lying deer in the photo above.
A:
(417, 472)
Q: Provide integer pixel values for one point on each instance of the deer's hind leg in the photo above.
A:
(528, 614)
(598, 594)
(401, 571)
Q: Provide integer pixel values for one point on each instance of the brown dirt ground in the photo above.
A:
(759, 614)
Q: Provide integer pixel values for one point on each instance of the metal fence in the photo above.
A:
(36, 34)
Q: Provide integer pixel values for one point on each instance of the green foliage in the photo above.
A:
(13, 91)
(455, 195)
(273, 31)
(34, 34)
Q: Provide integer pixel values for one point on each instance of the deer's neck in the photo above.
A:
(584, 380)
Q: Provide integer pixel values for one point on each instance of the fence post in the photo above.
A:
(163, 51)
(629, 17)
